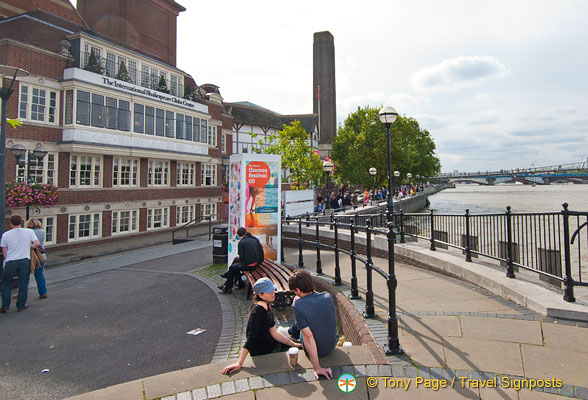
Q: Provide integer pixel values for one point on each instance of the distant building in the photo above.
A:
(130, 154)
(324, 96)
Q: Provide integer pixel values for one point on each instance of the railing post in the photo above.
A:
(209, 227)
(319, 268)
(393, 342)
(369, 294)
(307, 219)
(337, 281)
(354, 291)
(355, 222)
(509, 267)
(468, 249)
(300, 258)
(568, 280)
(432, 232)
(402, 240)
(331, 218)
(283, 257)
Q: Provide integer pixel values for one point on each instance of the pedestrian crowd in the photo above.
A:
(315, 328)
(23, 255)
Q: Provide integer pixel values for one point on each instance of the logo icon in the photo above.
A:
(347, 383)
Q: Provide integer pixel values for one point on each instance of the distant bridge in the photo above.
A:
(564, 173)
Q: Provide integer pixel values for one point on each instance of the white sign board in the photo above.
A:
(298, 202)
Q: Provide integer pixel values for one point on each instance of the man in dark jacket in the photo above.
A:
(250, 256)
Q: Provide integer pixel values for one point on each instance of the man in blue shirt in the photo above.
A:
(316, 320)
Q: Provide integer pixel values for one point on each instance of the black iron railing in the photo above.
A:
(550, 244)
(193, 229)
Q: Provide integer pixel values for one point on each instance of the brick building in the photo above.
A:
(134, 146)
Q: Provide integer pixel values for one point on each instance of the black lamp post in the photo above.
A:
(18, 151)
(387, 116)
(373, 173)
(328, 167)
(5, 93)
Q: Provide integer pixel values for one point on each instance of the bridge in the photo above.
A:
(564, 173)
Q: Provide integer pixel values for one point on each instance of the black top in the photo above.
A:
(259, 341)
(248, 249)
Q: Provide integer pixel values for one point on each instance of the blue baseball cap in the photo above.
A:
(263, 285)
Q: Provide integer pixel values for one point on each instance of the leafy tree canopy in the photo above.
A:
(292, 143)
(361, 144)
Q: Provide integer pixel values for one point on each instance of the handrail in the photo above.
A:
(208, 218)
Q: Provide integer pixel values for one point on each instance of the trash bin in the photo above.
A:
(220, 241)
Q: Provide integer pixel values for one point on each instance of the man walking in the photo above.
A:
(16, 247)
(316, 319)
(250, 256)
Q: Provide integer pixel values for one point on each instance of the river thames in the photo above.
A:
(522, 198)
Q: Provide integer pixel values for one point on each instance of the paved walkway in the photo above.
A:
(450, 330)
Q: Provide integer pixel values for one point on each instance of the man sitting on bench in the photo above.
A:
(250, 256)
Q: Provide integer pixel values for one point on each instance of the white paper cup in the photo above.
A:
(347, 344)
(293, 355)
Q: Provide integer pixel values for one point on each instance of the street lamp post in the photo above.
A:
(328, 167)
(5, 93)
(18, 151)
(387, 116)
(409, 177)
(373, 173)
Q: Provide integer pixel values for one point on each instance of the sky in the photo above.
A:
(498, 84)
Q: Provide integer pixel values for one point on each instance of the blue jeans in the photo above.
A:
(40, 278)
(22, 268)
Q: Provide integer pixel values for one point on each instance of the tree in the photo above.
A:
(93, 65)
(292, 143)
(123, 74)
(361, 144)
(162, 85)
(192, 93)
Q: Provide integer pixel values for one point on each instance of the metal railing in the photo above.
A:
(193, 229)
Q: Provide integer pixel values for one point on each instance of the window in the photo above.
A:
(97, 111)
(85, 171)
(125, 221)
(196, 130)
(224, 143)
(203, 130)
(154, 77)
(208, 175)
(125, 172)
(83, 108)
(68, 107)
(209, 210)
(158, 173)
(157, 218)
(124, 116)
(139, 118)
(174, 86)
(160, 122)
(111, 113)
(123, 60)
(184, 214)
(110, 64)
(133, 71)
(169, 124)
(212, 136)
(145, 75)
(185, 174)
(37, 104)
(188, 128)
(180, 127)
(49, 226)
(84, 226)
(43, 171)
(149, 120)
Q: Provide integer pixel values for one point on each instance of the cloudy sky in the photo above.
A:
(498, 84)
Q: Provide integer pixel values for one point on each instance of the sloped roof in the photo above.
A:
(245, 112)
(308, 121)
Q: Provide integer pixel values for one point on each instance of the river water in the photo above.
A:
(522, 198)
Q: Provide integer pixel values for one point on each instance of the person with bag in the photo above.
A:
(16, 247)
(262, 335)
(37, 227)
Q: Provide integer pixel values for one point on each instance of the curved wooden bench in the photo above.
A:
(279, 276)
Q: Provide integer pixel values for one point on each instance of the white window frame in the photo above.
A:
(224, 143)
(185, 214)
(152, 173)
(50, 229)
(95, 226)
(212, 135)
(185, 174)
(209, 209)
(47, 170)
(208, 171)
(95, 170)
(117, 173)
(26, 105)
(159, 217)
(133, 222)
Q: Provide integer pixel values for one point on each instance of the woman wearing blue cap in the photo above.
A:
(262, 335)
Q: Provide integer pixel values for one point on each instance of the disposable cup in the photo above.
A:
(293, 355)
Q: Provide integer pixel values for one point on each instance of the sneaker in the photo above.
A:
(22, 309)
(224, 276)
(286, 332)
(43, 296)
(15, 296)
(225, 289)
(3, 310)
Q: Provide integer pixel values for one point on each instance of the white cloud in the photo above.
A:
(457, 73)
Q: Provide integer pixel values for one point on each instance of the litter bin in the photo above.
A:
(220, 241)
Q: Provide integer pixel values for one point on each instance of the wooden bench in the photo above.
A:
(279, 276)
